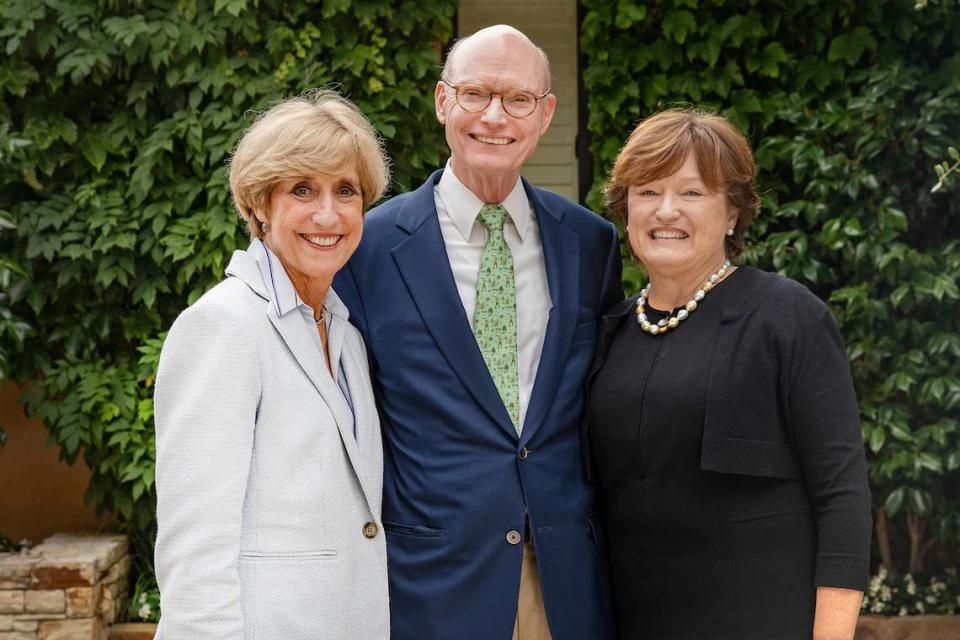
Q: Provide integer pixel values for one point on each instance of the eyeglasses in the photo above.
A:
(475, 98)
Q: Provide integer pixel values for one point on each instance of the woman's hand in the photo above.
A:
(836, 614)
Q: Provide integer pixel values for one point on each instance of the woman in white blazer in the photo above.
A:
(269, 462)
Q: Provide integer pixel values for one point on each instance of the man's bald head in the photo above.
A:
(462, 49)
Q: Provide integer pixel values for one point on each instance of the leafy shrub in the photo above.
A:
(899, 595)
(115, 124)
(849, 105)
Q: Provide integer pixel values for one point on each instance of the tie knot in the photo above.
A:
(492, 216)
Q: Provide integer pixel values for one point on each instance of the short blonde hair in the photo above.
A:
(658, 147)
(319, 131)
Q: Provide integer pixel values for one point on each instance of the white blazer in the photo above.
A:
(268, 486)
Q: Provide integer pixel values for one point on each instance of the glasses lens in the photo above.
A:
(473, 98)
(519, 103)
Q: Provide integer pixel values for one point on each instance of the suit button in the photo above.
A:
(370, 530)
(523, 453)
(514, 537)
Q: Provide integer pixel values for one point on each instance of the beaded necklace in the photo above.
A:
(673, 320)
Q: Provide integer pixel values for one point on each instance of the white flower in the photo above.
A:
(902, 612)
(920, 607)
(885, 594)
(882, 573)
(144, 612)
(142, 599)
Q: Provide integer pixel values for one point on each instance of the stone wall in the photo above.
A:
(70, 587)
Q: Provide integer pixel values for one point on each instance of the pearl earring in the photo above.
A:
(729, 232)
(265, 227)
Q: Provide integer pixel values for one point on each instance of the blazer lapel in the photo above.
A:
(425, 268)
(561, 256)
(292, 330)
(357, 374)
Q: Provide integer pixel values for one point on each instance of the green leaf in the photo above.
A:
(850, 47)
(94, 150)
(677, 25)
(894, 501)
(629, 13)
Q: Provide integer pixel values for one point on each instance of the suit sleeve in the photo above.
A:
(825, 421)
(206, 398)
(612, 290)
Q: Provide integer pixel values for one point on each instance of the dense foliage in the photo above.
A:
(115, 123)
(849, 106)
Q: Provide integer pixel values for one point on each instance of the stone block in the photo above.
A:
(6, 622)
(82, 602)
(117, 571)
(44, 601)
(101, 550)
(78, 629)
(15, 571)
(18, 635)
(40, 616)
(25, 625)
(11, 601)
(111, 601)
(51, 574)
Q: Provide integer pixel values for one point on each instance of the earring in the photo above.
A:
(264, 227)
(729, 232)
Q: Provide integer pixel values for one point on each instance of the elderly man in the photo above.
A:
(478, 295)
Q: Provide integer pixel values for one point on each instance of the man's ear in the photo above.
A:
(440, 101)
(549, 105)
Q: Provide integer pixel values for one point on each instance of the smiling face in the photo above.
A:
(489, 148)
(315, 224)
(677, 225)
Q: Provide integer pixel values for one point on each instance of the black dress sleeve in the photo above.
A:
(824, 421)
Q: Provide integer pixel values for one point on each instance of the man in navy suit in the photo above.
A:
(478, 295)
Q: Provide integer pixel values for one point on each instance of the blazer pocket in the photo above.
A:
(585, 331)
(768, 459)
(414, 530)
(281, 556)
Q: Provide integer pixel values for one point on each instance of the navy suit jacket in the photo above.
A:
(457, 478)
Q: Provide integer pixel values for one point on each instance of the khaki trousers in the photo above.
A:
(531, 616)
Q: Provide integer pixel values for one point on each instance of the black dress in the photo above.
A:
(682, 567)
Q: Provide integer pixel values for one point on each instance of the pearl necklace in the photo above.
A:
(673, 321)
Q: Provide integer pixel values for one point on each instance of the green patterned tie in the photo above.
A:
(495, 318)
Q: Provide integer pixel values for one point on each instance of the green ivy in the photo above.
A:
(849, 106)
(116, 120)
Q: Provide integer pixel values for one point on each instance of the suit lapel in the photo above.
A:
(561, 256)
(425, 268)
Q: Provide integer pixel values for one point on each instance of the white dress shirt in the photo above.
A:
(465, 237)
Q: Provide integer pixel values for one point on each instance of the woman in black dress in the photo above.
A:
(722, 427)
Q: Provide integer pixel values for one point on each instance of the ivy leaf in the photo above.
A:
(677, 25)
(94, 150)
(629, 13)
(850, 47)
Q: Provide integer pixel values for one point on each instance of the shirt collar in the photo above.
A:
(284, 296)
(463, 206)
